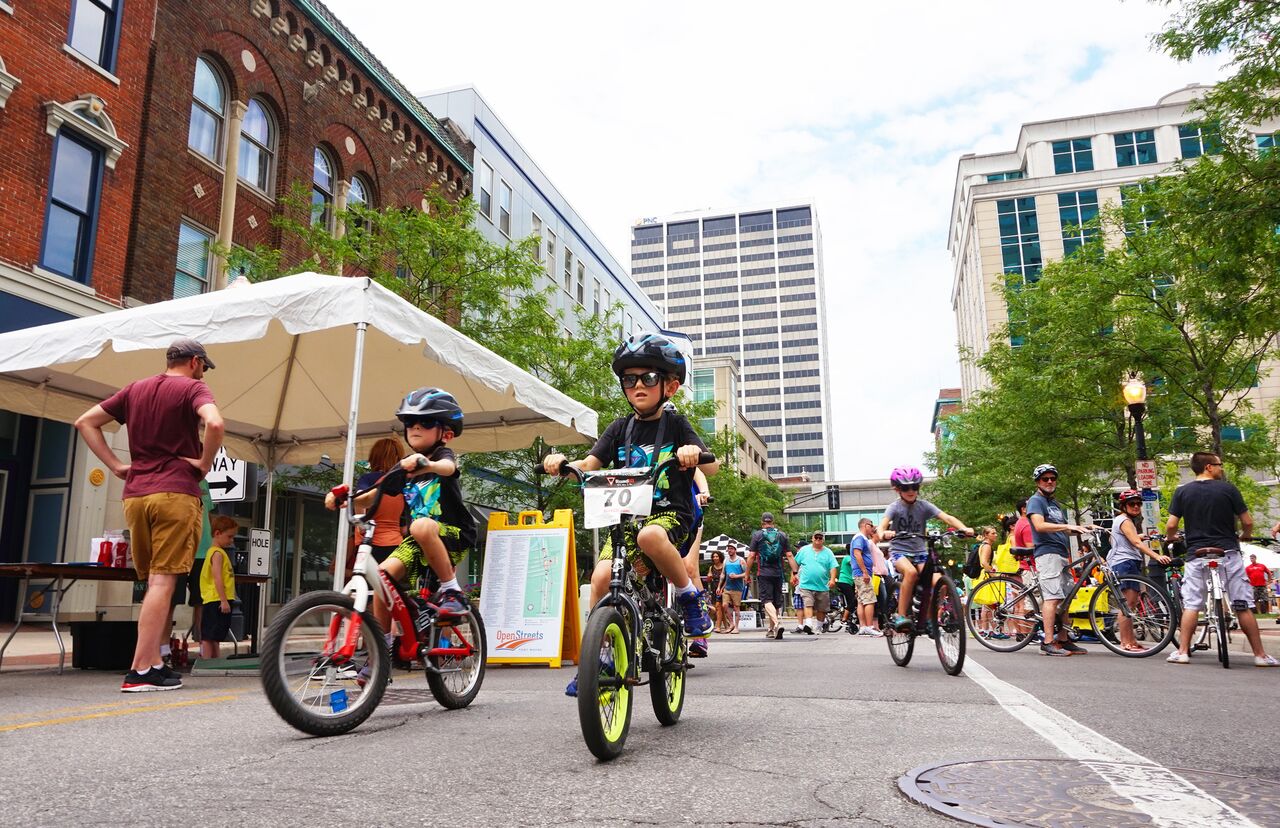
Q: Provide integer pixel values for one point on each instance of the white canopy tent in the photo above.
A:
(291, 379)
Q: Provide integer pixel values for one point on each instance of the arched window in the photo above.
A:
(322, 189)
(257, 146)
(360, 192)
(208, 107)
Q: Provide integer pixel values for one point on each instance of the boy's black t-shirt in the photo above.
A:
(452, 508)
(668, 496)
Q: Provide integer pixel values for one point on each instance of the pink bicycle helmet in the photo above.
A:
(906, 476)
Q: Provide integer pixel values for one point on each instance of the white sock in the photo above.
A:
(143, 672)
(687, 589)
(165, 650)
(452, 583)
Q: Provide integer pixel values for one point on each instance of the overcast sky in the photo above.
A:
(644, 109)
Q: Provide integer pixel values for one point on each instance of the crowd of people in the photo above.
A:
(175, 430)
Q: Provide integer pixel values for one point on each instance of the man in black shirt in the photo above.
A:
(1211, 506)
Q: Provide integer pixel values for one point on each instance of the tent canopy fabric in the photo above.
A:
(285, 353)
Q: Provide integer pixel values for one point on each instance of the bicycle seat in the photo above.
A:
(1022, 551)
(1208, 552)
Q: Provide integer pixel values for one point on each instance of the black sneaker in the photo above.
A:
(1073, 648)
(168, 672)
(1051, 650)
(149, 682)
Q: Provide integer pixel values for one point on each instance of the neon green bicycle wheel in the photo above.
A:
(666, 682)
(604, 697)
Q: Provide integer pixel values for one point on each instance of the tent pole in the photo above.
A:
(264, 590)
(349, 457)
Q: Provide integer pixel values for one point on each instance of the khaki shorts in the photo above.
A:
(164, 530)
(817, 600)
(732, 598)
(865, 591)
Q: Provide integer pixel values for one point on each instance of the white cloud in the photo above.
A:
(648, 109)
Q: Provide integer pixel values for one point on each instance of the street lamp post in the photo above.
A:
(1135, 394)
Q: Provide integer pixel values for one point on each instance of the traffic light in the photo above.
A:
(833, 498)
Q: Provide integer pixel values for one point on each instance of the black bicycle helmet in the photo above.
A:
(648, 350)
(431, 404)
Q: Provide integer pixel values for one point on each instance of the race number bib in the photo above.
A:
(606, 497)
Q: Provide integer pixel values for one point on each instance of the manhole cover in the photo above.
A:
(1066, 793)
(406, 695)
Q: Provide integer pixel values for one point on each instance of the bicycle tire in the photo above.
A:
(1224, 634)
(1020, 627)
(667, 685)
(455, 682)
(604, 713)
(947, 616)
(901, 644)
(335, 682)
(1153, 617)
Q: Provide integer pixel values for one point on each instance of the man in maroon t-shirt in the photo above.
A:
(161, 488)
(1022, 537)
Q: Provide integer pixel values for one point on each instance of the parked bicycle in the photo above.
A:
(1004, 613)
(325, 660)
(1169, 578)
(632, 629)
(936, 610)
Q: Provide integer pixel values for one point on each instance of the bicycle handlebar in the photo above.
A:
(391, 482)
(567, 470)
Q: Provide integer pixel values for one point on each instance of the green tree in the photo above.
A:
(1243, 32)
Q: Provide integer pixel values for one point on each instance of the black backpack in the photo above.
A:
(973, 563)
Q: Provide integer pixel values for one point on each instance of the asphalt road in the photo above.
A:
(808, 731)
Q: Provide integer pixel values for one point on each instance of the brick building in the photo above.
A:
(120, 122)
(283, 93)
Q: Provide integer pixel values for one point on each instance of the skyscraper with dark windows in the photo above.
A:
(748, 284)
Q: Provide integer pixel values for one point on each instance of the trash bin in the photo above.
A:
(103, 645)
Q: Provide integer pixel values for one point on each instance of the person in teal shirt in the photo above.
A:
(814, 576)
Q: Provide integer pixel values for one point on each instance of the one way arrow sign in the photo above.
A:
(226, 478)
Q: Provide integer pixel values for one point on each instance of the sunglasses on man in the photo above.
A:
(649, 379)
(1048, 479)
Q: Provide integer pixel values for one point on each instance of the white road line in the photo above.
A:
(1170, 800)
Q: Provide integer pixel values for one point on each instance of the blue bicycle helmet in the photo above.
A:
(431, 404)
(648, 350)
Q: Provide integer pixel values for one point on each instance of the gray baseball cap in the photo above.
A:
(767, 517)
(180, 348)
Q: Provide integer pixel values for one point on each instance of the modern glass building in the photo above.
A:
(516, 200)
(1012, 212)
(749, 284)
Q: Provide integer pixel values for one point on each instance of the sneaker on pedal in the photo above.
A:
(148, 682)
(451, 601)
(606, 666)
(697, 648)
(696, 621)
(901, 623)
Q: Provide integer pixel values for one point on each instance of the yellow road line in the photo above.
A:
(104, 714)
(13, 717)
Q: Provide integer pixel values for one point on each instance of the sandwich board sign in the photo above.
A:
(529, 590)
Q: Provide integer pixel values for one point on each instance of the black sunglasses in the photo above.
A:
(425, 422)
(1048, 480)
(909, 487)
(649, 378)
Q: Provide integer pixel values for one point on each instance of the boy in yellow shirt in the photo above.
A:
(217, 587)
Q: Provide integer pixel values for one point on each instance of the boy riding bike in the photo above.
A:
(441, 528)
(651, 369)
(908, 515)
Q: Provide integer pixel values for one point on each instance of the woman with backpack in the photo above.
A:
(978, 567)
